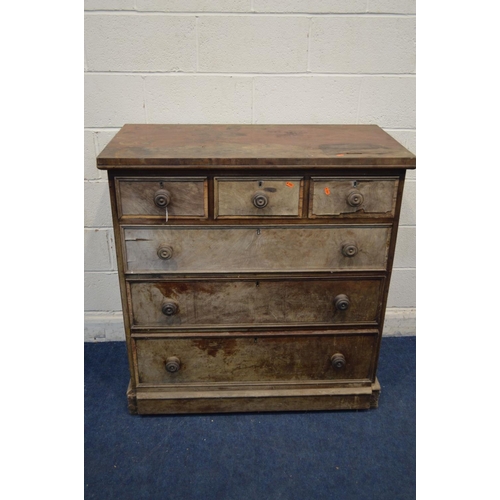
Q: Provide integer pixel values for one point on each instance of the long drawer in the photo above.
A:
(238, 359)
(292, 248)
(266, 302)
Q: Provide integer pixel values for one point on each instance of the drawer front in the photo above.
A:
(153, 197)
(360, 197)
(255, 249)
(255, 303)
(239, 359)
(252, 197)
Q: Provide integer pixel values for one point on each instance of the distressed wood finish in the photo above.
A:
(255, 249)
(239, 359)
(227, 401)
(256, 302)
(158, 146)
(235, 197)
(189, 197)
(266, 288)
(330, 196)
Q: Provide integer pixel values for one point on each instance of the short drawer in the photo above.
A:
(155, 197)
(208, 249)
(241, 359)
(253, 303)
(348, 196)
(252, 197)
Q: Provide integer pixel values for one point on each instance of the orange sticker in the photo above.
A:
(289, 184)
(340, 154)
(327, 191)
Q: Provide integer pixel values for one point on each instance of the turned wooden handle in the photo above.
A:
(173, 364)
(338, 360)
(169, 308)
(260, 200)
(349, 249)
(342, 302)
(355, 198)
(165, 252)
(162, 198)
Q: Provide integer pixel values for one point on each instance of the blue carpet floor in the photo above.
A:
(318, 455)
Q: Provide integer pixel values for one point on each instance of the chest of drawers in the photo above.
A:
(254, 263)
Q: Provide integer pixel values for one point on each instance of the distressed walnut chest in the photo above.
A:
(254, 263)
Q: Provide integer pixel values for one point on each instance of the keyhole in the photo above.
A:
(161, 183)
(257, 283)
(258, 231)
(355, 183)
(260, 183)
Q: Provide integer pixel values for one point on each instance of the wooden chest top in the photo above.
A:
(277, 145)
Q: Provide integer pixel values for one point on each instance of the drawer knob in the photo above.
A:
(355, 198)
(162, 198)
(338, 360)
(349, 249)
(165, 253)
(341, 302)
(173, 364)
(260, 200)
(169, 308)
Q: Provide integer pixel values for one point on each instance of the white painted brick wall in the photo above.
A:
(253, 44)
(243, 61)
(199, 99)
(356, 44)
(140, 43)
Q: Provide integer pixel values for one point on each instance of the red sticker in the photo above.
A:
(327, 191)
(289, 184)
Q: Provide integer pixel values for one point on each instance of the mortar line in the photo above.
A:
(96, 143)
(309, 46)
(85, 60)
(197, 46)
(144, 99)
(248, 74)
(246, 13)
(253, 99)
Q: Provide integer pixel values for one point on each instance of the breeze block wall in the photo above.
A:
(243, 61)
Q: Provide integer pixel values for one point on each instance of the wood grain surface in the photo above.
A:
(163, 145)
(234, 197)
(241, 302)
(255, 302)
(329, 196)
(255, 359)
(189, 197)
(255, 249)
